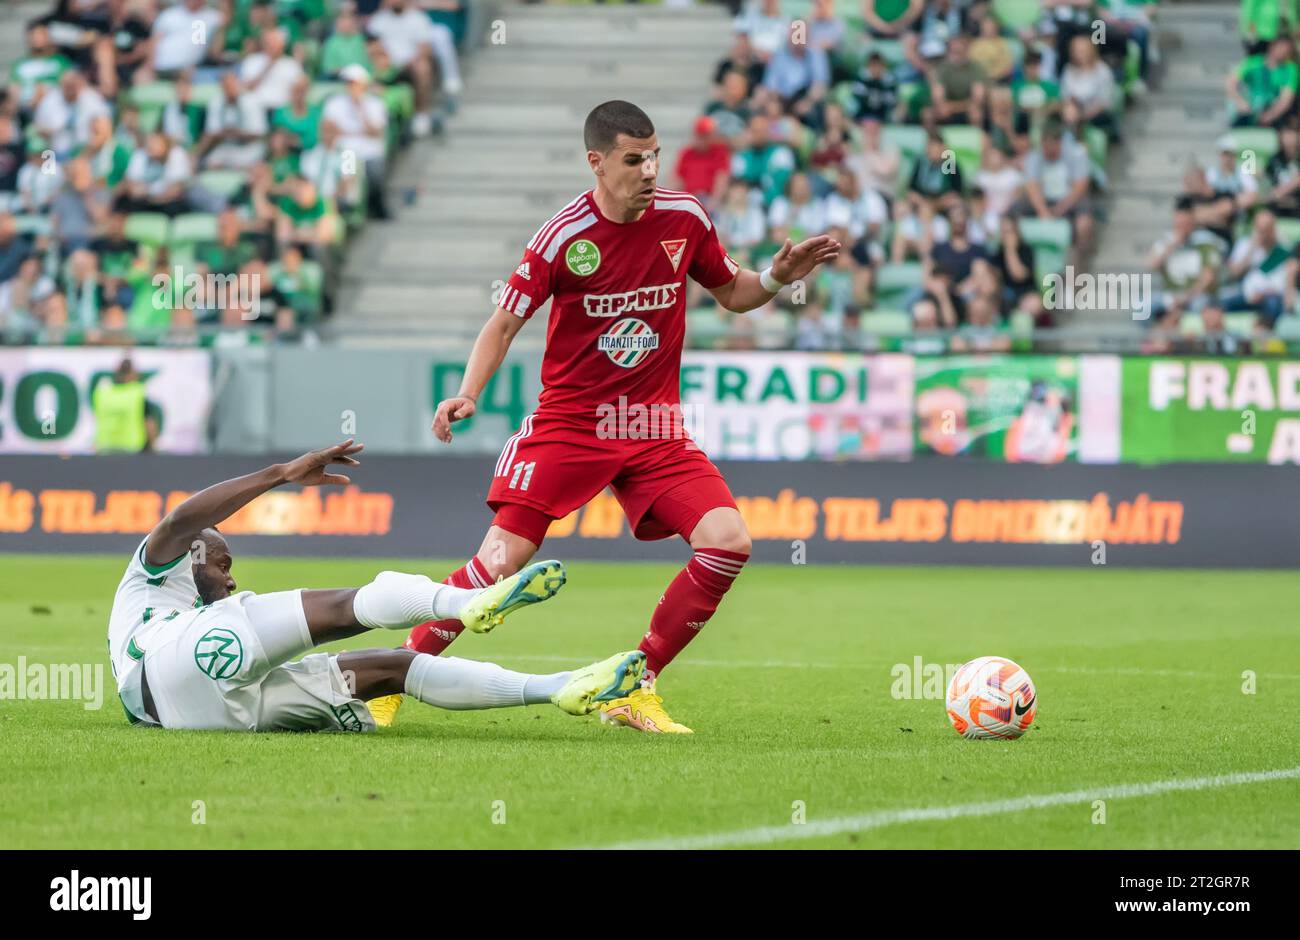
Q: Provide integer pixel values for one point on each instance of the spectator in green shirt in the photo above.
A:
(762, 163)
(303, 218)
(889, 19)
(298, 118)
(1034, 95)
(233, 248)
(39, 69)
(1262, 21)
(1264, 86)
(345, 46)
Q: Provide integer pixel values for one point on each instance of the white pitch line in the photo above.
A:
(859, 667)
(764, 835)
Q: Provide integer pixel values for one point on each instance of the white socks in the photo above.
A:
(539, 689)
(449, 682)
(397, 601)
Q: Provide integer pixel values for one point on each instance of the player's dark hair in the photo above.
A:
(606, 121)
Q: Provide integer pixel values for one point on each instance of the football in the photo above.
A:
(991, 697)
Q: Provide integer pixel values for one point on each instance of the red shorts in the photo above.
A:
(557, 465)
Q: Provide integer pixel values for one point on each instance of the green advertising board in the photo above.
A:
(1210, 410)
(1014, 408)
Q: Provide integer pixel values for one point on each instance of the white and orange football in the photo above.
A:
(991, 697)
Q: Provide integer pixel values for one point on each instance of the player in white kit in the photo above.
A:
(189, 652)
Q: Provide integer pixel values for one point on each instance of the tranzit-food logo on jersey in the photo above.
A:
(646, 298)
(628, 342)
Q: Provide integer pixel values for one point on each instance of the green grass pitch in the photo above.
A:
(1139, 677)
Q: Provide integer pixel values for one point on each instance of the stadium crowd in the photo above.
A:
(190, 171)
(1227, 269)
(955, 147)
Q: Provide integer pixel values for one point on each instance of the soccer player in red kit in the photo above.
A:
(614, 264)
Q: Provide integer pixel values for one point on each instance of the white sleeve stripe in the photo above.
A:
(686, 205)
(567, 211)
(564, 234)
(521, 307)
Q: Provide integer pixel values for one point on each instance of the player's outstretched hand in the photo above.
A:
(313, 469)
(451, 410)
(793, 262)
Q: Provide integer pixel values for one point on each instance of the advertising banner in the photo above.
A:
(817, 512)
(1230, 410)
(1018, 409)
(798, 406)
(45, 397)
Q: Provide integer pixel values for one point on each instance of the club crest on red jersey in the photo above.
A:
(674, 248)
(628, 342)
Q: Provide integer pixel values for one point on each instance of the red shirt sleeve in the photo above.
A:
(529, 287)
(711, 266)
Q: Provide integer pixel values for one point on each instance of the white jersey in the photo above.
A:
(147, 596)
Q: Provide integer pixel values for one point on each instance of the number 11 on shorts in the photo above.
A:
(526, 471)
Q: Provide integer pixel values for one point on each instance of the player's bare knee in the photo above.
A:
(728, 534)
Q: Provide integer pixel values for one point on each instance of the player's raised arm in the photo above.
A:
(751, 289)
(485, 358)
(173, 536)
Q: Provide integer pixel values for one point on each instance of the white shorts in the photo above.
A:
(223, 667)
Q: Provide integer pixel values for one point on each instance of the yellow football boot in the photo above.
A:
(643, 710)
(384, 709)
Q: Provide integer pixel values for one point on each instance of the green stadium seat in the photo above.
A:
(1261, 141)
(1047, 261)
(1288, 327)
(887, 322)
(1017, 14)
(152, 95)
(222, 182)
(35, 225)
(908, 138)
(194, 227)
(895, 281)
(150, 118)
(1046, 233)
(704, 328)
(1241, 323)
(1022, 322)
(202, 94)
(147, 228)
(319, 91)
(1288, 231)
(1190, 324)
(400, 101)
(967, 143)
(891, 49)
(1096, 142)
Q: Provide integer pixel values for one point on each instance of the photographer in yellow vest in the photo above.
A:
(122, 422)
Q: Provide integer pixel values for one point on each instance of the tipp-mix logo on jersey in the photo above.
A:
(659, 297)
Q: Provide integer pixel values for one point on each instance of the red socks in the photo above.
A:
(434, 636)
(684, 609)
(689, 602)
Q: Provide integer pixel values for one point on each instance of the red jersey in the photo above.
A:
(618, 291)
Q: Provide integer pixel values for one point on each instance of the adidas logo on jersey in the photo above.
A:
(522, 271)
